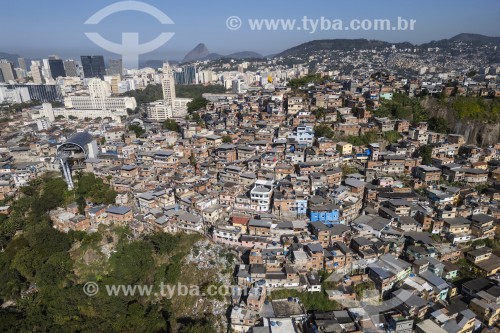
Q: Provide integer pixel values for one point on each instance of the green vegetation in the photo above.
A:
(425, 152)
(348, 169)
(197, 104)
(468, 271)
(18, 107)
(373, 137)
(49, 192)
(363, 140)
(319, 114)
(196, 90)
(43, 272)
(138, 130)
(493, 244)
(323, 130)
(227, 139)
(91, 188)
(402, 107)
(310, 78)
(392, 136)
(196, 118)
(154, 92)
(171, 125)
(472, 73)
(436, 238)
(360, 288)
(439, 125)
(475, 108)
(312, 301)
(151, 93)
(39, 197)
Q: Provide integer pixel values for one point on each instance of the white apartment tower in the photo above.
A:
(168, 85)
(170, 106)
(7, 70)
(36, 72)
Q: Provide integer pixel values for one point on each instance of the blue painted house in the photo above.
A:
(327, 213)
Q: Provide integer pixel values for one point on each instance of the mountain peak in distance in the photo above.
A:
(199, 52)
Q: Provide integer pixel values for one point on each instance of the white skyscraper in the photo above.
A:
(46, 70)
(7, 69)
(36, 72)
(168, 85)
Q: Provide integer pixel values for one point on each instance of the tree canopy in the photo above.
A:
(227, 139)
(425, 152)
(171, 125)
(44, 270)
(138, 130)
(323, 130)
(402, 107)
(196, 104)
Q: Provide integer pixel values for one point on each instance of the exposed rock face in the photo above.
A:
(199, 52)
(475, 132)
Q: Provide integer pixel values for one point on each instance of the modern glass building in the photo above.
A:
(115, 67)
(71, 68)
(57, 68)
(186, 76)
(93, 66)
(41, 92)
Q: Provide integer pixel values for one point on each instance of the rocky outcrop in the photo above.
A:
(199, 52)
(475, 132)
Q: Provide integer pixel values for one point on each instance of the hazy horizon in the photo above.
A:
(61, 29)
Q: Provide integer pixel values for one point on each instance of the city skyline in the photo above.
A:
(197, 26)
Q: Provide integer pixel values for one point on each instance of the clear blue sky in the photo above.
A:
(36, 28)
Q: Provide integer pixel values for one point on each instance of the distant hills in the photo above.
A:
(365, 44)
(339, 44)
(201, 53)
(475, 39)
(10, 57)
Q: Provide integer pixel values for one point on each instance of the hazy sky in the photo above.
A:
(37, 28)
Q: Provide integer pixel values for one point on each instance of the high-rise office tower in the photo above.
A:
(22, 64)
(56, 68)
(190, 73)
(115, 67)
(93, 66)
(7, 70)
(1, 76)
(36, 72)
(186, 75)
(168, 85)
(70, 68)
(46, 70)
